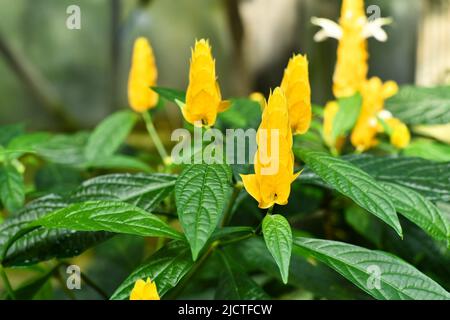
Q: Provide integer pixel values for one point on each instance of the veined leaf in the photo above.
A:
(381, 275)
(349, 109)
(419, 210)
(64, 149)
(426, 177)
(110, 216)
(414, 105)
(170, 94)
(278, 237)
(142, 190)
(12, 189)
(353, 183)
(166, 267)
(109, 135)
(235, 284)
(26, 143)
(201, 193)
(428, 149)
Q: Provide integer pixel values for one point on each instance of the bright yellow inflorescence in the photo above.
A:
(144, 290)
(143, 75)
(352, 54)
(274, 159)
(203, 96)
(296, 86)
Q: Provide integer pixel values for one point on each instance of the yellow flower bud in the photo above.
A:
(274, 159)
(399, 135)
(143, 75)
(203, 97)
(329, 114)
(258, 97)
(296, 86)
(374, 92)
(144, 290)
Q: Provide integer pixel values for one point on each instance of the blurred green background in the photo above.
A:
(55, 78)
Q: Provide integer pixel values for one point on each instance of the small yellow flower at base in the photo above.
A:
(400, 136)
(143, 75)
(258, 97)
(203, 96)
(274, 159)
(144, 290)
(295, 85)
(374, 92)
(329, 114)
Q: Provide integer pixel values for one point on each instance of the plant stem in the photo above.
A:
(247, 236)
(155, 137)
(229, 210)
(7, 284)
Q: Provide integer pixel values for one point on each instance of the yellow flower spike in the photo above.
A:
(144, 290)
(203, 96)
(374, 94)
(352, 32)
(400, 136)
(296, 86)
(143, 75)
(274, 159)
(258, 97)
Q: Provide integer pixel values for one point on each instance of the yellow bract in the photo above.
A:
(144, 290)
(258, 97)
(329, 114)
(400, 135)
(296, 86)
(203, 97)
(374, 93)
(274, 159)
(352, 54)
(143, 75)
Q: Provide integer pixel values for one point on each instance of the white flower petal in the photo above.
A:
(330, 29)
(374, 29)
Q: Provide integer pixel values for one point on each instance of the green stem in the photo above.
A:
(229, 210)
(155, 137)
(6, 283)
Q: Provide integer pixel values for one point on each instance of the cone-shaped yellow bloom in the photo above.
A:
(143, 75)
(296, 86)
(203, 97)
(274, 159)
(352, 54)
(144, 290)
(374, 92)
(400, 135)
(329, 114)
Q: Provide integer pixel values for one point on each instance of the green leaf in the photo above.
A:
(64, 149)
(166, 267)
(416, 106)
(235, 284)
(29, 290)
(349, 109)
(428, 149)
(201, 193)
(278, 237)
(353, 183)
(170, 94)
(118, 162)
(26, 143)
(419, 210)
(55, 178)
(109, 135)
(110, 216)
(12, 189)
(367, 225)
(142, 190)
(381, 275)
(9, 132)
(242, 114)
(426, 177)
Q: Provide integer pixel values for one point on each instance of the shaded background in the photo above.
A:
(55, 78)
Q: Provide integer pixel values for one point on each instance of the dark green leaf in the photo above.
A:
(166, 267)
(278, 237)
(381, 275)
(170, 94)
(109, 135)
(353, 183)
(201, 192)
(12, 188)
(110, 216)
(235, 284)
(349, 109)
(415, 106)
